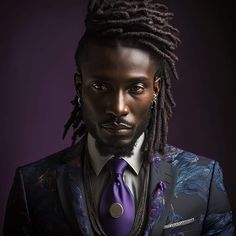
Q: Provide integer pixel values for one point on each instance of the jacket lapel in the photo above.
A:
(72, 197)
(161, 189)
(71, 191)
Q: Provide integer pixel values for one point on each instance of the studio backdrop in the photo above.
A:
(37, 45)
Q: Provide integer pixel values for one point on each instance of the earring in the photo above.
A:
(154, 100)
(77, 79)
(157, 78)
(155, 95)
(79, 102)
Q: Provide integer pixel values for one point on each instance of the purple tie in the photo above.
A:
(117, 206)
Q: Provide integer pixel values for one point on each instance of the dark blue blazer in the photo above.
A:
(47, 197)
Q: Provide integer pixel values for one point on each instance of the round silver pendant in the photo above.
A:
(116, 210)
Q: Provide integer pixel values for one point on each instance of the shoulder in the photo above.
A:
(195, 174)
(41, 172)
(48, 165)
(51, 161)
(189, 164)
(186, 161)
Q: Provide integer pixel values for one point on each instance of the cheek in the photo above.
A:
(91, 106)
(140, 106)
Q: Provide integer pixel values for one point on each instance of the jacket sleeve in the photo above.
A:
(218, 219)
(17, 220)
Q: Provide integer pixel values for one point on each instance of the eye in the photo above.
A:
(100, 86)
(137, 88)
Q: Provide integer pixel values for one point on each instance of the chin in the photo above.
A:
(117, 142)
(117, 149)
(118, 146)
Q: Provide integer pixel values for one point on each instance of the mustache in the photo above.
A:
(122, 123)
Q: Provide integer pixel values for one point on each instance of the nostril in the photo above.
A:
(118, 105)
(117, 112)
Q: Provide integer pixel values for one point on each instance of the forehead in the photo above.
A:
(118, 59)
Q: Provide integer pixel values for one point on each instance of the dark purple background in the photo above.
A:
(37, 44)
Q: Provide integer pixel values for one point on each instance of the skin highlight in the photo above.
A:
(117, 88)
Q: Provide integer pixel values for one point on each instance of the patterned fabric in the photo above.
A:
(78, 199)
(193, 179)
(186, 197)
(157, 207)
(222, 222)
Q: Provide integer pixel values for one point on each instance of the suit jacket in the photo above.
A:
(186, 197)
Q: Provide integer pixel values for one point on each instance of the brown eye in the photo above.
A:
(137, 89)
(99, 86)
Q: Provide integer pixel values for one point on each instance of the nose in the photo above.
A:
(117, 106)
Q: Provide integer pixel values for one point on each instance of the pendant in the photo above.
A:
(116, 210)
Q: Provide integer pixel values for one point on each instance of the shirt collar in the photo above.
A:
(98, 161)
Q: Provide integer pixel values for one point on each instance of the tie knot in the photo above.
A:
(117, 166)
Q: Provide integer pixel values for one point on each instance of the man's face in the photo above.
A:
(116, 89)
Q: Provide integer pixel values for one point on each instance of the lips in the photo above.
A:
(117, 128)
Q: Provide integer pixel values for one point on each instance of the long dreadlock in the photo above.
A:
(144, 23)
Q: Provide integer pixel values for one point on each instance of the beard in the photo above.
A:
(108, 149)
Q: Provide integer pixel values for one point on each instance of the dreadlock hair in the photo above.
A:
(143, 23)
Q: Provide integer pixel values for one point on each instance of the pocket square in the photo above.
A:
(179, 223)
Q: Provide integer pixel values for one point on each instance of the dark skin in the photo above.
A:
(117, 86)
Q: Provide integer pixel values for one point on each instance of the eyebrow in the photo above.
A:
(131, 79)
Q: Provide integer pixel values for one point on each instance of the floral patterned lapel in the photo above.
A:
(71, 192)
(161, 189)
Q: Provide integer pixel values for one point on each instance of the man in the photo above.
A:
(120, 177)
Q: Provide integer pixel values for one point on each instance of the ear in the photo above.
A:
(157, 84)
(78, 83)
